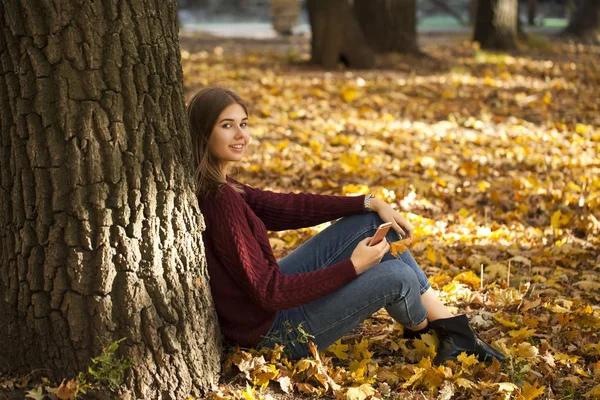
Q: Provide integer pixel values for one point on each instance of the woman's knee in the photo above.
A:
(366, 224)
(371, 219)
(397, 277)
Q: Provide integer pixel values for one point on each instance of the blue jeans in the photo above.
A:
(395, 283)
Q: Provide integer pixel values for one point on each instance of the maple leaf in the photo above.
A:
(467, 360)
(427, 345)
(361, 350)
(360, 393)
(415, 378)
(340, 350)
(521, 334)
(469, 278)
(359, 369)
(263, 375)
(400, 246)
(530, 392)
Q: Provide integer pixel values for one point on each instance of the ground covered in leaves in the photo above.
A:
(494, 158)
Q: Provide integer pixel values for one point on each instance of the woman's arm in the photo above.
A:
(281, 211)
(246, 255)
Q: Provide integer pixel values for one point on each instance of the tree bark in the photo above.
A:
(585, 22)
(336, 36)
(496, 24)
(388, 25)
(100, 231)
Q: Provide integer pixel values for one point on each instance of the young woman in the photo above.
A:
(325, 287)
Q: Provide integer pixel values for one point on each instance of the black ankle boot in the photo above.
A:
(408, 334)
(455, 336)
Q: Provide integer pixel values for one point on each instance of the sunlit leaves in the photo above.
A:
(531, 391)
(493, 160)
(339, 349)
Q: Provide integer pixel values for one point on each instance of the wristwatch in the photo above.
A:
(368, 202)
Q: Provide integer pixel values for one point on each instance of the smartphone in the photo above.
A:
(380, 234)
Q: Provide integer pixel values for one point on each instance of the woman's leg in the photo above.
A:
(390, 284)
(435, 308)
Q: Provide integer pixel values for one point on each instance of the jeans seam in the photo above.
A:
(410, 318)
(425, 288)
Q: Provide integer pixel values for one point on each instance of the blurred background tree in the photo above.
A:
(389, 26)
(352, 32)
(584, 21)
(496, 24)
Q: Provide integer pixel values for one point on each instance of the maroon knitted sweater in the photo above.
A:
(245, 280)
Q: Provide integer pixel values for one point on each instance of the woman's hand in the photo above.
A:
(364, 256)
(388, 214)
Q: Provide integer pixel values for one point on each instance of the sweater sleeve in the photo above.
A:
(250, 261)
(281, 211)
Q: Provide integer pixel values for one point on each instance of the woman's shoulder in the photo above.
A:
(225, 194)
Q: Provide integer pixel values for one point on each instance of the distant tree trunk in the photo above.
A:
(531, 11)
(585, 22)
(336, 36)
(100, 230)
(284, 15)
(388, 25)
(496, 24)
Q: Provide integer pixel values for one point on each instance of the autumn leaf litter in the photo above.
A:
(494, 160)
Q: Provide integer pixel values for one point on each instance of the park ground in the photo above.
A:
(494, 159)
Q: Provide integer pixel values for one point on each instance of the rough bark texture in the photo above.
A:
(100, 231)
(336, 36)
(388, 25)
(496, 24)
(585, 22)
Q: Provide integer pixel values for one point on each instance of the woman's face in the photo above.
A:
(230, 136)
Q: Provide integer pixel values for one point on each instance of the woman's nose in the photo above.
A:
(240, 132)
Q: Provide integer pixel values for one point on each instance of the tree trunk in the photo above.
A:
(100, 231)
(496, 24)
(585, 22)
(388, 25)
(531, 11)
(284, 15)
(336, 36)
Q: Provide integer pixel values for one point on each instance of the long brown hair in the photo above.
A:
(203, 111)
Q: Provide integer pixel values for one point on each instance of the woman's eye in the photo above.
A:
(244, 124)
(227, 126)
